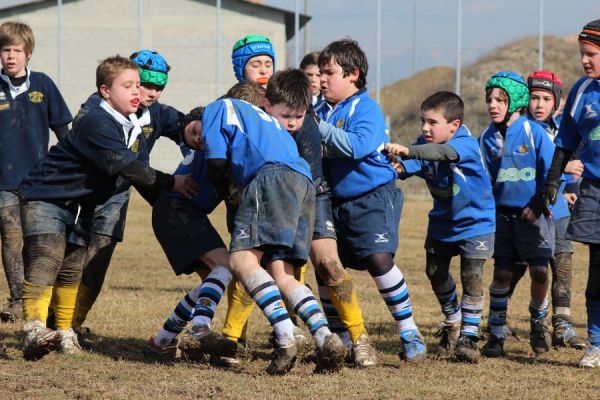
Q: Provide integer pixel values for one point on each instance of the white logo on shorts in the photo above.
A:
(589, 111)
(543, 244)
(242, 234)
(329, 226)
(381, 238)
(482, 245)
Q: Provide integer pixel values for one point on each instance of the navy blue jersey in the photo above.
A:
(196, 165)
(25, 121)
(463, 202)
(308, 140)
(249, 138)
(84, 165)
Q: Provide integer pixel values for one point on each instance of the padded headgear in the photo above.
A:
(153, 67)
(515, 87)
(591, 33)
(546, 81)
(248, 47)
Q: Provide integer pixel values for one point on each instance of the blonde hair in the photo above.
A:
(110, 68)
(16, 33)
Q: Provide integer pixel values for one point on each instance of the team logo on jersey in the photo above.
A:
(329, 226)
(595, 134)
(589, 112)
(340, 123)
(242, 235)
(36, 97)
(481, 246)
(135, 147)
(381, 238)
(2, 96)
(147, 130)
(523, 149)
(515, 175)
(4, 106)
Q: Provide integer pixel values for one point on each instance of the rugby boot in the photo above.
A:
(331, 356)
(448, 335)
(540, 336)
(412, 347)
(68, 343)
(494, 347)
(564, 335)
(283, 360)
(467, 349)
(364, 353)
(38, 340)
(12, 312)
(591, 358)
(167, 350)
(200, 340)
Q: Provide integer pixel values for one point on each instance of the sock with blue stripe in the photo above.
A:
(593, 313)
(446, 295)
(179, 318)
(471, 308)
(498, 307)
(210, 295)
(394, 291)
(306, 307)
(537, 309)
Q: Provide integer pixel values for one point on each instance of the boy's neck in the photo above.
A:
(351, 92)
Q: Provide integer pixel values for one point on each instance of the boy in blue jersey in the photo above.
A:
(580, 127)
(264, 161)
(82, 170)
(517, 153)
(462, 221)
(30, 105)
(545, 89)
(366, 202)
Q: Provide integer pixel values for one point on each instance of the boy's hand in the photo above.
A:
(186, 185)
(529, 215)
(574, 167)
(571, 199)
(396, 150)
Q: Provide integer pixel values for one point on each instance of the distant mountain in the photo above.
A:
(401, 100)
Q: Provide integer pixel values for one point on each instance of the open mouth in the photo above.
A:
(135, 102)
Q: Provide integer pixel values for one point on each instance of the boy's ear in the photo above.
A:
(104, 91)
(354, 75)
(455, 125)
(266, 105)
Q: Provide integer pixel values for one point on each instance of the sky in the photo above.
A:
(487, 24)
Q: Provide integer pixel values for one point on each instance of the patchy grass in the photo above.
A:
(141, 290)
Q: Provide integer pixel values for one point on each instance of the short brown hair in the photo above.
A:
(311, 58)
(449, 104)
(247, 91)
(348, 55)
(291, 88)
(110, 68)
(16, 33)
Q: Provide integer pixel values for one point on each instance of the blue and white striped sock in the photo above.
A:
(472, 308)
(261, 287)
(178, 318)
(392, 288)
(446, 295)
(210, 295)
(306, 307)
(498, 307)
(538, 310)
(333, 318)
(593, 313)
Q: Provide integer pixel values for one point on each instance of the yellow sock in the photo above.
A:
(36, 300)
(345, 300)
(65, 300)
(300, 274)
(240, 306)
(86, 297)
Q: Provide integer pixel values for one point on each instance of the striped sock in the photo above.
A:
(261, 287)
(472, 308)
(333, 318)
(498, 307)
(210, 295)
(593, 314)
(305, 305)
(537, 309)
(446, 295)
(179, 318)
(392, 288)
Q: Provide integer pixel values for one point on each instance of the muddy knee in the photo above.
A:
(330, 271)
(471, 275)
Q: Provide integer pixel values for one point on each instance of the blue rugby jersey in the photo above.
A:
(366, 169)
(249, 138)
(196, 165)
(25, 121)
(517, 164)
(463, 202)
(580, 124)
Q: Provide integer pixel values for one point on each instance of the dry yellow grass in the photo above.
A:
(141, 290)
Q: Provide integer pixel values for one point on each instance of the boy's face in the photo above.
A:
(314, 77)
(334, 85)
(149, 94)
(435, 127)
(541, 104)
(14, 60)
(124, 93)
(192, 135)
(291, 119)
(259, 69)
(497, 104)
(590, 60)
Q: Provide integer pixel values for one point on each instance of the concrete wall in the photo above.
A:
(183, 31)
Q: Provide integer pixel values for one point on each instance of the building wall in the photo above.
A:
(183, 31)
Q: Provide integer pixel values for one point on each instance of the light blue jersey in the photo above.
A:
(518, 163)
(354, 134)
(463, 202)
(249, 138)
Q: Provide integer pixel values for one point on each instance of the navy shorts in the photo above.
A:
(8, 198)
(562, 245)
(276, 215)
(478, 247)
(44, 217)
(324, 227)
(517, 239)
(584, 226)
(184, 233)
(368, 225)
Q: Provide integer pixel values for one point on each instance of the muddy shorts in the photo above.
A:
(584, 226)
(43, 217)
(324, 227)
(478, 247)
(561, 244)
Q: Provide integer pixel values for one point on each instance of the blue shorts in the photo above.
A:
(368, 225)
(43, 217)
(519, 240)
(584, 226)
(478, 247)
(276, 215)
(184, 232)
(562, 245)
(8, 198)
(324, 227)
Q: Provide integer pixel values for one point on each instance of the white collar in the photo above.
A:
(16, 90)
(131, 126)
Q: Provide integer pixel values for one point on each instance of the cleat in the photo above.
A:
(591, 358)
(467, 349)
(564, 334)
(12, 312)
(38, 341)
(412, 348)
(234, 361)
(200, 341)
(448, 335)
(494, 347)
(283, 360)
(364, 352)
(304, 341)
(331, 356)
(167, 350)
(68, 343)
(540, 336)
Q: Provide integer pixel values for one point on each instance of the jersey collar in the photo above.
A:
(16, 90)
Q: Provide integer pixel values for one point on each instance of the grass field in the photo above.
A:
(141, 290)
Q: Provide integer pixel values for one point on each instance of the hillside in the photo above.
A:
(401, 100)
